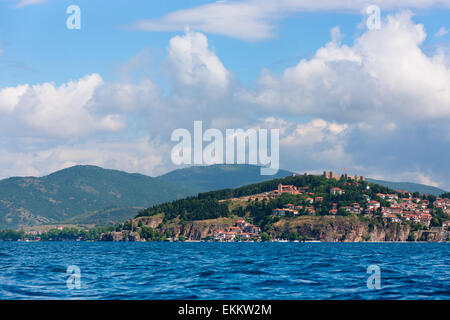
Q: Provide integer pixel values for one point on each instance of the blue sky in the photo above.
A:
(111, 93)
(38, 46)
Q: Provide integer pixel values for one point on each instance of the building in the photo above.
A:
(336, 191)
(332, 175)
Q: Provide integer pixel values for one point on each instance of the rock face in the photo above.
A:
(120, 236)
(323, 228)
(336, 228)
(196, 230)
(433, 235)
(112, 236)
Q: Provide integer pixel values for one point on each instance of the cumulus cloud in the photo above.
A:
(24, 3)
(194, 64)
(57, 110)
(442, 32)
(253, 20)
(142, 154)
(384, 76)
(378, 107)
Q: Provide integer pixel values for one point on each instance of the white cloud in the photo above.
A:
(384, 76)
(254, 20)
(379, 106)
(141, 155)
(315, 131)
(442, 32)
(193, 64)
(61, 111)
(24, 3)
(243, 20)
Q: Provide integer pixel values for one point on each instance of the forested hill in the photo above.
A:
(217, 177)
(409, 186)
(209, 205)
(63, 195)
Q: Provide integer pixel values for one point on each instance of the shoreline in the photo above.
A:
(201, 241)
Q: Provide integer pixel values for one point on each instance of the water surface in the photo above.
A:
(146, 270)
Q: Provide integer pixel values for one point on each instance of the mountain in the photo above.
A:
(92, 195)
(215, 214)
(80, 191)
(217, 177)
(409, 186)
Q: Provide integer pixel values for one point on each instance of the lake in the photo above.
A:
(161, 270)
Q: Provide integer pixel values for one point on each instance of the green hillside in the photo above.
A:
(216, 177)
(409, 186)
(92, 195)
(75, 191)
(210, 205)
(105, 217)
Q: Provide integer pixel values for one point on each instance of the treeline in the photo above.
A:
(207, 206)
(56, 234)
(189, 209)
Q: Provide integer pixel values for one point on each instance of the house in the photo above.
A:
(393, 218)
(373, 204)
(219, 235)
(336, 191)
(278, 212)
(230, 235)
(290, 189)
(252, 229)
(282, 212)
(425, 219)
(333, 211)
(241, 223)
(235, 230)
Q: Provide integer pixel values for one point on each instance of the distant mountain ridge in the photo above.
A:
(61, 196)
(216, 177)
(219, 176)
(409, 186)
(93, 195)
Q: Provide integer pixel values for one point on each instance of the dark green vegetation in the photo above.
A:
(67, 234)
(105, 216)
(196, 217)
(80, 194)
(190, 209)
(344, 226)
(92, 195)
(409, 186)
(445, 195)
(207, 206)
(217, 177)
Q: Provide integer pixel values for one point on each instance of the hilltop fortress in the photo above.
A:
(332, 175)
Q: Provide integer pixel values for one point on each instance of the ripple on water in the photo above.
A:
(223, 271)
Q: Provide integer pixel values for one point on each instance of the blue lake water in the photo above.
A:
(116, 270)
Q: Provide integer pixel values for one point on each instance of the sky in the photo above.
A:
(375, 101)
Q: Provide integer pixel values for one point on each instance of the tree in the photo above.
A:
(293, 236)
(265, 236)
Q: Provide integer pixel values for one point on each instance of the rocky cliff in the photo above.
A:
(337, 228)
(322, 228)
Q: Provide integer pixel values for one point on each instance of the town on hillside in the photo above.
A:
(401, 208)
(257, 212)
(242, 230)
